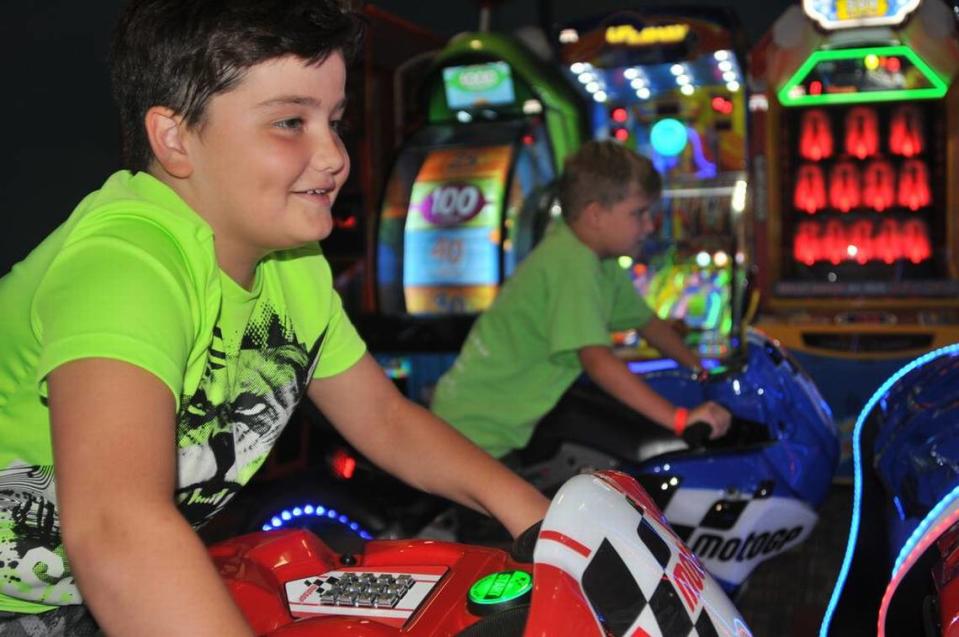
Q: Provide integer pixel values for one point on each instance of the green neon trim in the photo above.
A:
(501, 587)
(936, 91)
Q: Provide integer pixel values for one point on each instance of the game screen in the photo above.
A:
(478, 85)
(687, 267)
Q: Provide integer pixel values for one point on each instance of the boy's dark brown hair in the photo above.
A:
(602, 171)
(180, 53)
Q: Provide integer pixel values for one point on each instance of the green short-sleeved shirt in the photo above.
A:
(522, 353)
(132, 275)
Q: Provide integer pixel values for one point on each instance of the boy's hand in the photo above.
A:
(714, 415)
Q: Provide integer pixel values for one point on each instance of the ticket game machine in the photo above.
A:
(460, 209)
(668, 82)
(854, 154)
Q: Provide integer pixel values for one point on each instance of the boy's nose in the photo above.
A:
(329, 154)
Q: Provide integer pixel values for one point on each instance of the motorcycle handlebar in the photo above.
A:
(696, 434)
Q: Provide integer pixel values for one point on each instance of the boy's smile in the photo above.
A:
(266, 160)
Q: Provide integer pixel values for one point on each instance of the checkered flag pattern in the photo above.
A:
(621, 600)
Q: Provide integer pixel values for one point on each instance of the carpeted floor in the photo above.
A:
(786, 596)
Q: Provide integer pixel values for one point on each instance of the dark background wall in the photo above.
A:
(60, 136)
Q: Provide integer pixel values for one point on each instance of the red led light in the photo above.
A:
(859, 238)
(913, 191)
(878, 185)
(815, 87)
(914, 241)
(528, 139)
(810, 192)
(343, 464)
(844, 193)
(621, 134)
(905, 131)
(722, 105)
(862, 132)
(346, 223)
(806, 243)
(886, 242)
(861, 241)
(619, 114)
(815, 135)
(892, 64)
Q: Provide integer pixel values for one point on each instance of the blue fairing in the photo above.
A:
(906, 446)
(803, 448)
(917, 443)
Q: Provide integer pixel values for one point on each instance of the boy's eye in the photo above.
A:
(339, 126)
(293, 123)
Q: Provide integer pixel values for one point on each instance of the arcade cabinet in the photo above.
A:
(855, 113)
(668, 81)
(461, 206)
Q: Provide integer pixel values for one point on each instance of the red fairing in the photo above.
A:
(810, 192)
(905, 131)
(914, 185)
(878, 185)
(844, 193)
(862, 132)
(258, 568)
(815, 135)
(559, 606)
(946, 577)
(248, 564)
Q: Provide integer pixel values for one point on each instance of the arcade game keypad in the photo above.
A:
(375, 593)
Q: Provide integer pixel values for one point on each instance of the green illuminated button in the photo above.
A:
(498, 591)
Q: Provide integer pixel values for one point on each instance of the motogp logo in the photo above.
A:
(452, 204)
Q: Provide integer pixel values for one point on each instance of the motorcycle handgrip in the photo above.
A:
(696, 434)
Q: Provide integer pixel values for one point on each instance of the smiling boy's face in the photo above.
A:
(267, 160)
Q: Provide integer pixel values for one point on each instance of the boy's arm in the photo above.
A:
(613, 375)
(139, 566)
(414, 445)
(664, 338)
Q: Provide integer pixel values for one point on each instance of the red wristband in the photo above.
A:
(679, 420)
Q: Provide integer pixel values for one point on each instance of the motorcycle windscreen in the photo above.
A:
(605, 534)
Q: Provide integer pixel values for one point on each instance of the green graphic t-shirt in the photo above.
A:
(522, 353)
(132, 275)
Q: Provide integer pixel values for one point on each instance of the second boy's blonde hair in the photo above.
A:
(603, 171)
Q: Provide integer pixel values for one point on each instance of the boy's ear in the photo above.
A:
(591, 211)
(165, 130)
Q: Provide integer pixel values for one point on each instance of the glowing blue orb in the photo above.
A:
(668, 137)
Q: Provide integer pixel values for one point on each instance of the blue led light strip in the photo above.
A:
(281, 519)
(857, 475)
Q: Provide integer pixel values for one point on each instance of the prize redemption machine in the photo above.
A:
(462, 205)
(669, 84)
(855, 116)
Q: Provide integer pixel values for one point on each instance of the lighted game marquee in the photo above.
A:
(863, 157)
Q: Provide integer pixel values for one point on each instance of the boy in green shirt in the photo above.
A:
(552, 320)
(156, 343)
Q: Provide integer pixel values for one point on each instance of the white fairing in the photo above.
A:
(589, 513)
(765, 528)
